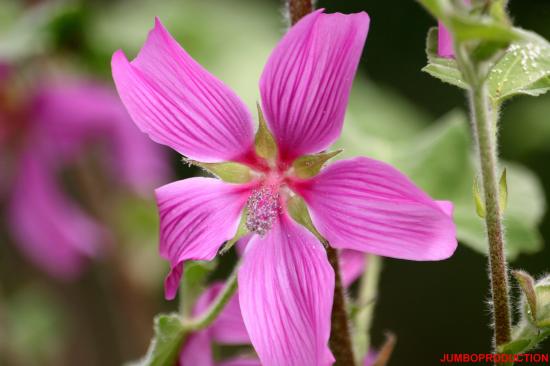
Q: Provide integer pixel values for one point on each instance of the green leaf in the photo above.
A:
(436, 7)
(308, 166)
(524, 69)
(166, 344)
(230, 172)
(482, 28)
(503, 192)
(527, 284)
(265, 143)
(444, 69)
(480, 206)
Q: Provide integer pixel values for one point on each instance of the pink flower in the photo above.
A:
(285, 283)
(64, 118)
(227, 329)
(445, 46)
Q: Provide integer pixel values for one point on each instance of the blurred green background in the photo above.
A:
(397, 113)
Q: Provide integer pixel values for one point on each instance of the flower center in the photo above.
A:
(262, 209)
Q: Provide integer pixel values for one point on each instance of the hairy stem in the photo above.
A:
(340, 339)
(368, 291)
(297, 9)
(216, 307)
(485, 134)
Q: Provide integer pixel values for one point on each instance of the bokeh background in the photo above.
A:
(95, 305)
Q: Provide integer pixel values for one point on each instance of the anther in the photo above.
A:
(262, 210)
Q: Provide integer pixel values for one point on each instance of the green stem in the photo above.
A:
(205, 319)
(368, 291)
(485, 134)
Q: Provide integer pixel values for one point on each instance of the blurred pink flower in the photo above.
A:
(63, 120)
(227, 329)
(445, 46)
(286, 282)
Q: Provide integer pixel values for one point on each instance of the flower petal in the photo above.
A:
(286, 287)
(445, 46)
(178, 103)
(367, 205)
(307, 79)
(196, 216)
(69, 115)
(51, 230)
(197, 350)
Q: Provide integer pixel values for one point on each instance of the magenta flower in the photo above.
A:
(227, 329)
(285, 283)
(63, 120)
(445, 46)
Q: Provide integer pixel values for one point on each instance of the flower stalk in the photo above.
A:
(486, 138)
(205, 319)
(340, 339)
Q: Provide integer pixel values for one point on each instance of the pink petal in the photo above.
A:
(352, 265)
(445, 46)
(51, 230)
(367, 205)
(178, 103)
(307, 79)
(285, 287)
(241, 361)
(228, 328)
(196, 216)
(197, 350)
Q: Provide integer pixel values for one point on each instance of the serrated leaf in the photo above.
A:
(503, 192)
(230, 172)
(524, 69)
(265, 143)
(166, 343)
(308, 166)
(480, 205)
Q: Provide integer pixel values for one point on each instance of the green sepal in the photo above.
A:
(503, 192)
(166, 344)
(527, 284)
(242, 230)
(265, 143)
(480, 206)
(542, 290)
(230, 172)
(298, 211)
(308, 166)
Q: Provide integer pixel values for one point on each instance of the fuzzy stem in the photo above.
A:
(297, 9)
(368, 291)
(485, 134)
(340, 339)
(205, 319)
